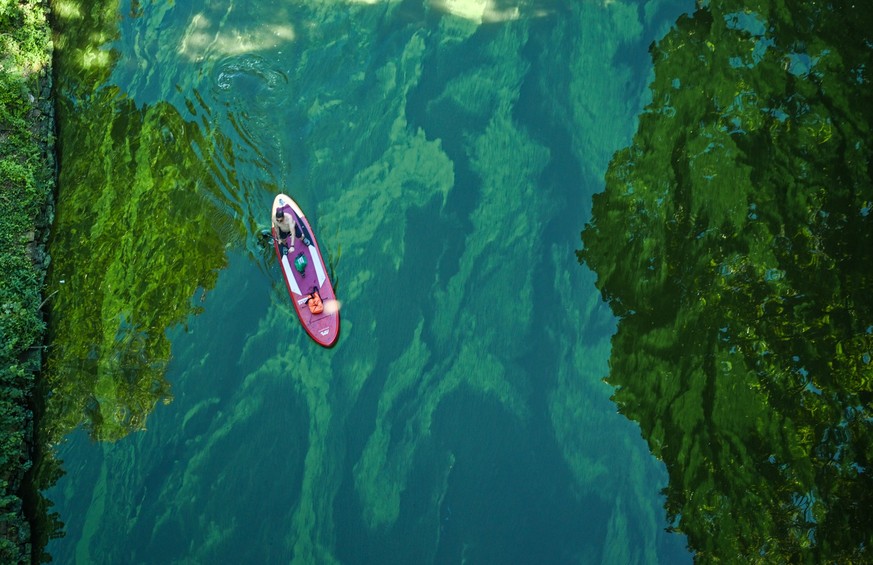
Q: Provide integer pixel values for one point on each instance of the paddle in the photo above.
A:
(265, 238)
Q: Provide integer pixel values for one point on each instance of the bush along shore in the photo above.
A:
(27, 183)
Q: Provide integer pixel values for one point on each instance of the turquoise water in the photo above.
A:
(446, 154)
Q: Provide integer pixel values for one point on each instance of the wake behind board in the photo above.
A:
(305, 274)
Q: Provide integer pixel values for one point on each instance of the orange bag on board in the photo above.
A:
(316, 306)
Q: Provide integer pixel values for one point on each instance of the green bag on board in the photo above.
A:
(300, 263)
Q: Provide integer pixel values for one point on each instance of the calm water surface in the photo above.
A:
(446, 155)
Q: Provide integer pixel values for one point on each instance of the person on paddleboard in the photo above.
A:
(285, 227)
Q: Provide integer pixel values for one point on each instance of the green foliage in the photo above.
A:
(25, 186)
(20, 322)
(733, 239)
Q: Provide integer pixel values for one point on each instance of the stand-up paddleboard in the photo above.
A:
(306, 274)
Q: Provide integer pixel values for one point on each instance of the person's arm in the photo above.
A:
(291, 233)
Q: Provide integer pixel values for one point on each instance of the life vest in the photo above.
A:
(316, 306)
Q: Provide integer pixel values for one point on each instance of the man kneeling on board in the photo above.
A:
(285, 227)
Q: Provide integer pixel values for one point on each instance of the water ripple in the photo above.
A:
(249, 76)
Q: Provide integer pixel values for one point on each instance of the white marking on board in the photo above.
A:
(325, 331)
(289, 274)
(319, 268)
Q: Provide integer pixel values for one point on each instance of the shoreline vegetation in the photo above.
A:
(27, 186)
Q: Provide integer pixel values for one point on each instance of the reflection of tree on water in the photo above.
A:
(733, 239)
(134, 239)
(134, 242)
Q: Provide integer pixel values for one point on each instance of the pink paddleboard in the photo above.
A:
(306, 273)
